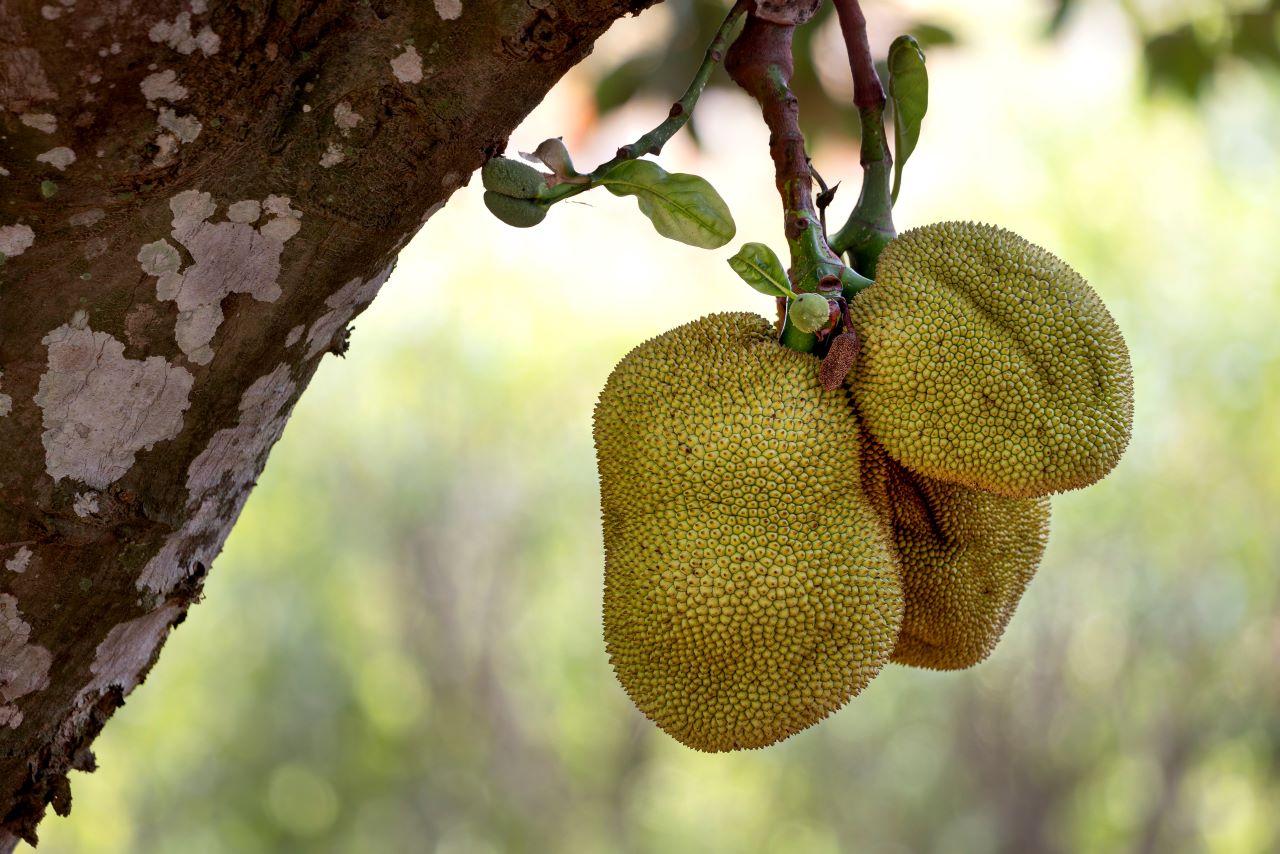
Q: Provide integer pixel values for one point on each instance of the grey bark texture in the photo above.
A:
(196, 197)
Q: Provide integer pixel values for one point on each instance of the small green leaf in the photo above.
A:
(909, 90)
(760, 268)
(682, 207)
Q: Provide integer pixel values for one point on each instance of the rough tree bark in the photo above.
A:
(196, 197)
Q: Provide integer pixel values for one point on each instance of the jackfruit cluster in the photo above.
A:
(750, 585)
(770, 545)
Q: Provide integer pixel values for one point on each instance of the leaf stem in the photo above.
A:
(870, 225)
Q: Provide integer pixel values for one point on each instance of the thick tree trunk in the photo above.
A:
(195, 199)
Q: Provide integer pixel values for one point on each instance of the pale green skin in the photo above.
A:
(521, 213)
(512, 178)
(809, 312)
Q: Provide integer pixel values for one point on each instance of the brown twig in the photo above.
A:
(760, 62)
(867, 91)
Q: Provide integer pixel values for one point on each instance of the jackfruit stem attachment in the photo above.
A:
(760, 61)
(870, 225)
(679, 115)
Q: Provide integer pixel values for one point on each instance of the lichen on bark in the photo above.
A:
(112, 113)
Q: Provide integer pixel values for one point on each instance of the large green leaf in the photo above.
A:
(760, 268)
(682, 207)
(909, 90)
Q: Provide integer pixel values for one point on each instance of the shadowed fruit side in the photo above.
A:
(965, 556)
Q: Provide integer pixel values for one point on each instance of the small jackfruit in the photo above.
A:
(512, 178)
(965, 557)
(986, 361)
(750, 588)
(521, 213)
(809, 312)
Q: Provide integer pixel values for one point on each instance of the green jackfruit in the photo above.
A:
(986, 361)
(750, 587)
(965, 557)
(809, 312)
(512, 178)
(520, 213)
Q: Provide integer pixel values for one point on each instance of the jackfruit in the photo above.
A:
(809, 312)
(965, 558)
(986, 361)
(750, 587)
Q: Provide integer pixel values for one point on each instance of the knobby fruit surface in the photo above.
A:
(965, 557)
(750, 585)
(986, 361)
(512, 178)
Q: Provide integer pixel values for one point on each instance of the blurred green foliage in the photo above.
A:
(1183, 43)
(400, 648)
(664, 70)
(1189, 42)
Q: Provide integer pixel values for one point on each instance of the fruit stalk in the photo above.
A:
(760, 61)
(870, 226)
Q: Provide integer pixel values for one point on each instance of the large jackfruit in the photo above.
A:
(965, 555)
(750, 588)
(986, 361)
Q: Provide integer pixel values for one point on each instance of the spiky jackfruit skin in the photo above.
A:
(965, 558)
(986, 361)
(750, 588)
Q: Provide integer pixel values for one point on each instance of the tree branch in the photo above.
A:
(760, 62)
(867, 91)
(313, 140)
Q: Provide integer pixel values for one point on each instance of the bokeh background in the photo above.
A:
(400, 648)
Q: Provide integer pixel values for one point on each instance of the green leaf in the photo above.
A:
(760, 268)
(909, 91)
(681, 207)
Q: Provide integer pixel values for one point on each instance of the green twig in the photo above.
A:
(761, 62)
(681, 111)
(870, 225)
